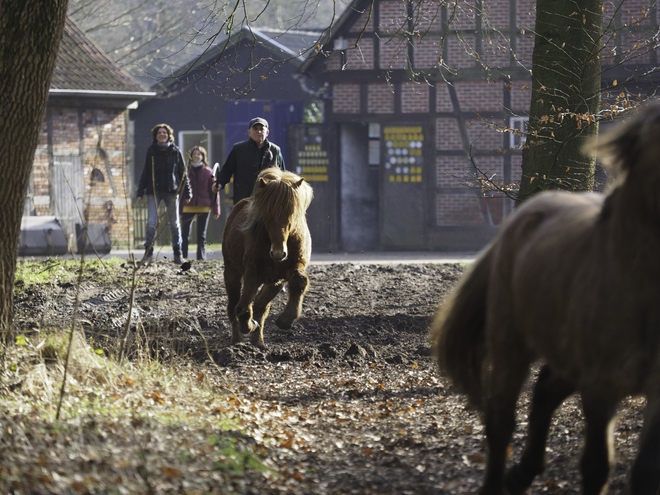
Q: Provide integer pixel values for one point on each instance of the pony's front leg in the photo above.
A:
(261, 308)
(549, 392)
(297, 287)
(244, 306)
(233, 288)
(599, 410)
(645, 477)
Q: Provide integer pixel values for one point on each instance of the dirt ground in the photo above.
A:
(352, 383)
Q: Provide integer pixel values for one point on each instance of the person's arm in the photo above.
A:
(215, 194)
(224, 175)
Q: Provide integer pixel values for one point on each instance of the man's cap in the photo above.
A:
(258, 120)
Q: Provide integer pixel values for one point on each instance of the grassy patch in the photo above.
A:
(123, 428)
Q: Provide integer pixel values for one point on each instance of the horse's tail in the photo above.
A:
(458, 334)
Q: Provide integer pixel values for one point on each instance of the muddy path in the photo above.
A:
(351, 386)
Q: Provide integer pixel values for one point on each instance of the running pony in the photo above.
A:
(266, 242)
(572, 280)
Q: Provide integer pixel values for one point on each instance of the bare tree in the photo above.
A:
(155, 38)
(30, 34)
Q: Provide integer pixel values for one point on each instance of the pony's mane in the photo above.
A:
(279, 196)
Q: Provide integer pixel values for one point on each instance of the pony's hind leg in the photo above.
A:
(510, 368)
(599, 410)
(297, 287)
(261, 308)
(549, 392)
(645, 476)
(506, 379)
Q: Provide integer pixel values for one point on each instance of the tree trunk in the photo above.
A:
(566, 74)
(30, 35)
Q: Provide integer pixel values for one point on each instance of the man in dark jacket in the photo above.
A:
(163, 179)
(247, 159)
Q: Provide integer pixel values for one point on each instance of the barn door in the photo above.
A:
(403, 188)
(309, 156)
(67, 193)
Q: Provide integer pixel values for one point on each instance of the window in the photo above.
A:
(517, 135)
(374, 144)
(189, 139)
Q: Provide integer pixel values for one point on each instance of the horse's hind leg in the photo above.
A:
(297, 287)
(506, 379)
(599, 410)
(549, 392)
(261, 308)
(645, 477)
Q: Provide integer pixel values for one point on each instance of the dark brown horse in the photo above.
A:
(572, 280)
(266, 243)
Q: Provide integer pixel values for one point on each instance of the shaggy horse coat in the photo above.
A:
(266, 243)
(572, 280)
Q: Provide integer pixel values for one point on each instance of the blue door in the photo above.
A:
(278, 114)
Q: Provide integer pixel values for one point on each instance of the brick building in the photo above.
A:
(417, 94)
(80, 165)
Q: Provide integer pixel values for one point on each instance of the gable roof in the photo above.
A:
(352, 11)
(82, 68)
(288, 46)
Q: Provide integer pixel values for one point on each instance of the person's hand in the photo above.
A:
(139, 198)
(215, 189)
(186, 201)
(215, 217)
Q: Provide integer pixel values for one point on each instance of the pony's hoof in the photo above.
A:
(517, 480)
(252, 326)
(283, 323)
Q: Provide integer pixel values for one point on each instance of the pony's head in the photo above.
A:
(631, 153)
(279, 200)
(635, 143)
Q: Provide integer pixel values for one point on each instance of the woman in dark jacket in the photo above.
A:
(163, 179)
(203, 202)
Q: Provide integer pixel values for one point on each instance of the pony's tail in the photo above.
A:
(458, 336)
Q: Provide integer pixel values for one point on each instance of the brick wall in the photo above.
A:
(479, 96)
(427, 52)
(526, 15)
(346, 98)
(460, 52)
(524, 48)
(448, 136)
(496, 14)
(392, 16)
(361, 57)
(451, 171)
(381, 98)
(442, 98)
(427, 15)
(69, 139)
(484, 136)
(463, 16)
(521, 95)
(496, 50)
(393, 53)
(458, 210)
(414, 97)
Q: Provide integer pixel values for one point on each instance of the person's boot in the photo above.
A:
(148, 256)
(177, 259)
